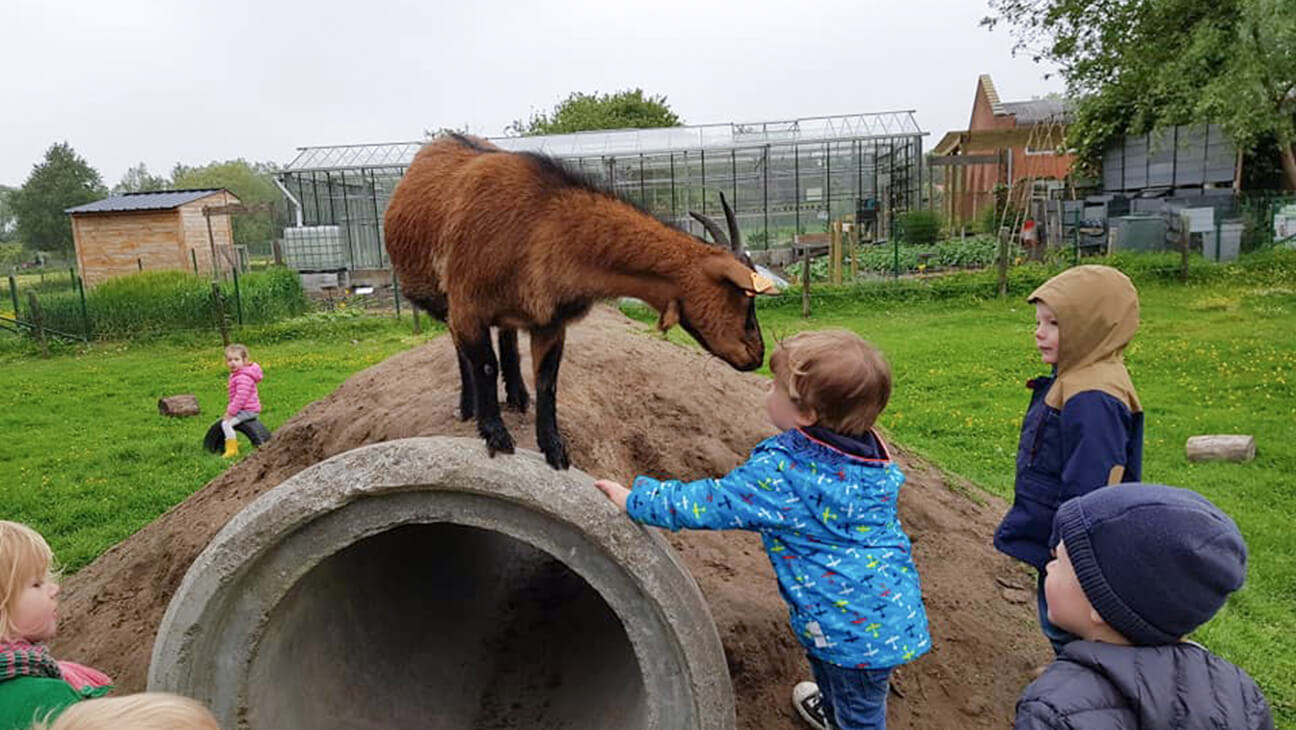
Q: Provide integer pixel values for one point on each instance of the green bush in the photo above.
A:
(970, 253)
(920, 227)
(1274, 267)
(11, 254)
(156, 302)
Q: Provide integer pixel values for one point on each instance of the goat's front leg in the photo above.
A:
(476, 347)
(467, 392)
(515, 391)
(546, 355)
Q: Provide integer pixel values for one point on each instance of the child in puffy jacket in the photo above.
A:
(822, 494)
(1138, 567)
(1084, 427)
(244, 402)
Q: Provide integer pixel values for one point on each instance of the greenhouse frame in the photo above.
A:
(783, 178)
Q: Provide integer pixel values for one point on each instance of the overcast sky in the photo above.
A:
(165, 81)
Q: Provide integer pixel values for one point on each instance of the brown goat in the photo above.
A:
(483, 238)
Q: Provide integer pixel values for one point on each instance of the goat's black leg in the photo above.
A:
(476, 347)
(515, 391)
(546, 355)
(467, 392)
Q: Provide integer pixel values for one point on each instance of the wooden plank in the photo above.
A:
(233, 208)
(995, 139)
(966, 160)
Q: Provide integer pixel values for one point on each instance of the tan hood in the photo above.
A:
(1097, 311)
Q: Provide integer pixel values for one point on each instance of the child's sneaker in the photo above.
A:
(809, 703)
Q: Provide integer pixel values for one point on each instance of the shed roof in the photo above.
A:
(155, 200)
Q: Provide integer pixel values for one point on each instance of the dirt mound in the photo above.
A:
(629, 403)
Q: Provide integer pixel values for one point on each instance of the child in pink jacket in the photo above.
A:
(244, 404)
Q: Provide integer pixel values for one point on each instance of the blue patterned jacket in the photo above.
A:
(828, 520)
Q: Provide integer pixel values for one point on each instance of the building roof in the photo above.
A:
(949, 143)
(1034, 111)
(1037, 111)
(618, 142)
(156, 200)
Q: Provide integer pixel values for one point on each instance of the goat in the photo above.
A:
(480, 238)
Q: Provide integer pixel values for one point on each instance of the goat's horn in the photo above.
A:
(712, 228)
(735, 235)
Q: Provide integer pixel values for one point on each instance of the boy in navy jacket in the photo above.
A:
(1139, 567)
(1084, 427)
(822, 494)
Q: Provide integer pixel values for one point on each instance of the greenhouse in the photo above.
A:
(783, 178)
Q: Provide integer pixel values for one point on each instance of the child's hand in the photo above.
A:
(613, 491)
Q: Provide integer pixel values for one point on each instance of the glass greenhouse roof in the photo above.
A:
(612, 143)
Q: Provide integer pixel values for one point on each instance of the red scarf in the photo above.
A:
(21, 659)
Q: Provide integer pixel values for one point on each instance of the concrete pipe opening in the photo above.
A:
(418, 583)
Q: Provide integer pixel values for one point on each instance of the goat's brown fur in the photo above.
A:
(480, 238)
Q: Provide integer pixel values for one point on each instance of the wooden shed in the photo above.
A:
(133, 232)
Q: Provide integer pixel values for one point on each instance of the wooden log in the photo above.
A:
(1221, 447)
(178, 406)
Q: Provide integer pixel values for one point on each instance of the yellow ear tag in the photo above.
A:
(760, 285)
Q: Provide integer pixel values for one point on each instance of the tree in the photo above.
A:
(1136, 65)
(580, 112)
(138, 179)
(252, 182)
(8, 222)
(62, 181)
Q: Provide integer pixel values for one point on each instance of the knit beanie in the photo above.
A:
(1156, 562)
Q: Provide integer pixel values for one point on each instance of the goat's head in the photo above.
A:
(718, 300)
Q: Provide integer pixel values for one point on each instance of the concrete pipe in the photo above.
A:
(420, 584)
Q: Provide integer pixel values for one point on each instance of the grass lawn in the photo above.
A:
(87, 459)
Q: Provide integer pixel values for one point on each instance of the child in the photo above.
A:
(244, 404)
(146, 711)
(32, 684)
(823, 496)
(1129, 666)
(1084, 427)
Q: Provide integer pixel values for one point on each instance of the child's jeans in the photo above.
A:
(227, 425)
(1057, 637)
(853, 699)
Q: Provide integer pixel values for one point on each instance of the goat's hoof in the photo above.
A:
(498, 440)
(518, 401)
(466, 413)
(555, 452)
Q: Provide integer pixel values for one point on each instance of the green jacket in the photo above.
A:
(24, 700)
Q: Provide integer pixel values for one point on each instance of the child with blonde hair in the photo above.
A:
(33, 684)
(146, 711)
(244, 401)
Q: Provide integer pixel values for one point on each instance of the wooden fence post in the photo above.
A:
(805, 281)
(38, 322)
(221, 320)
(835, 247)
(1004, 233)
(854, 251)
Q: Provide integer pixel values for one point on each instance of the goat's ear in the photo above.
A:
(733, 271)
(669, 316)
